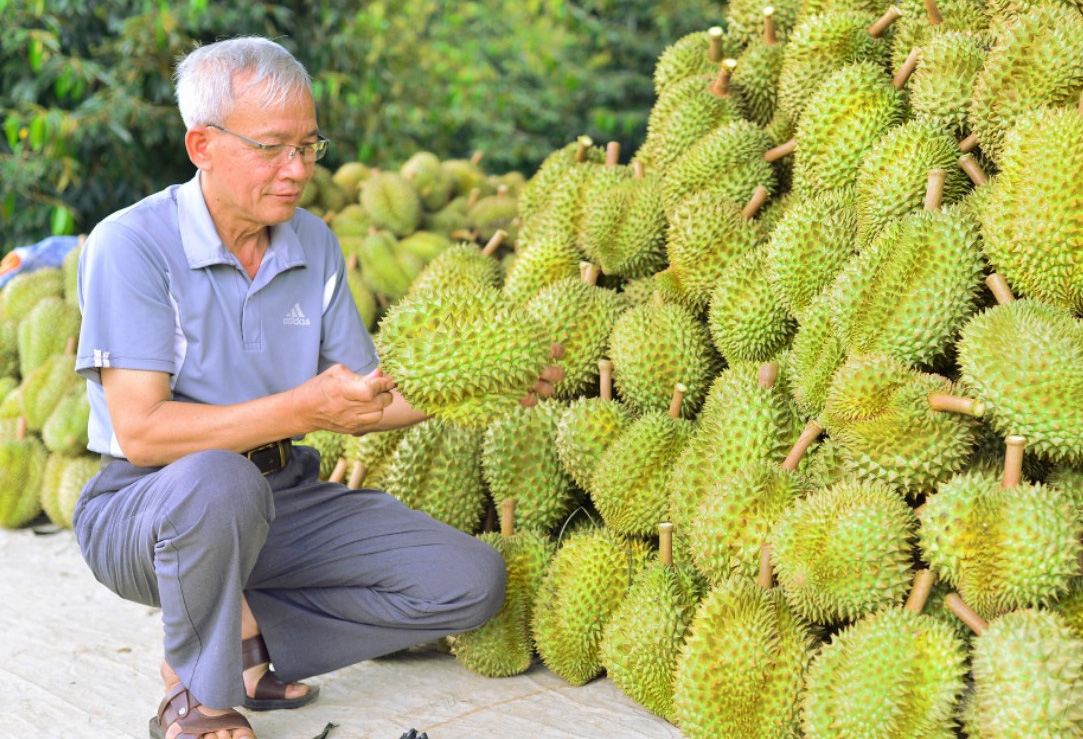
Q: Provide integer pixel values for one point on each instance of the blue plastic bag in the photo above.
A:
(48, 252)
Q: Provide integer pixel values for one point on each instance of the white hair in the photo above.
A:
(205, 78)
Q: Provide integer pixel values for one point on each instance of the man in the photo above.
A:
(218, 326)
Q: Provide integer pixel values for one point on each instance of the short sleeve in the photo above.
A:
(129, 318)
(345, 340)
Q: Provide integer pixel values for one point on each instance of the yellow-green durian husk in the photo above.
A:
(817, 352)
(688, 111)
(894, 674)
(743, 665)
(23, 291)
(585, 430)
(434, 185)
(392, 202)
(844, 552)
(689, 56)
(22, 465)
(644, 637)
(941, 88)
(65, 430)
(1002, 548)
(534, 199)
(755, 80)
(45, 330)
(460, 265)
(589, 577)
(746, 319)
(374, 452)
(745, 19)
(540, 264)
(914, 29)
(330, 445)
(624, 228)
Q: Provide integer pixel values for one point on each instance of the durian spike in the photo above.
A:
(969, 144)
(934, 190)
(640, 169)
(507, 517)
(770, 35)
(956, 404)
(475, 193)
(583, 144)
(605, 379)
(782, 150)
(1000, 288)
(665, 543)
(612, 154)
(877, 29)
(935, 19)
(69, 346)
(919, 593)
(1013, 460)
(476, 158)
(678, 396)
(766, 578)
(903, 75)
(966, 614)
(352, 262)
(495, 242)
(714, 37)
(812, 431)
(768, 375)
(338, 474)
(590, 273)
(357, 475)
(721, 85)
(973, 169)
(759, 197)
(20, 428)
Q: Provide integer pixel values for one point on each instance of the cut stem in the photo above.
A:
(665, 543)
(583, 144)
(766, 577)
(812, 431)
(721, 85)
(472, 198)
(605, 379)
(1000, 288)
(1013, 460)
(919, 593)
(338, 474)
(768, 375)
(612, 154)
(507, 517)
(477, 157)
(714, 36)
(639, 169)
(759, 197)
(934, 190)
(935, 19)
(877, 29)
(495, 242)
(957, 404)
(357, 475)
(966, 614)
(908, 66)
(678, 397)
(969, 144)
(770, 33)
(590, 273)
(782, 150)
(973, 169)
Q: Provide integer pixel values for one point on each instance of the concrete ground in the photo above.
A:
(77, 661)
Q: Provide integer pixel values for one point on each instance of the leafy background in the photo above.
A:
(90, 125)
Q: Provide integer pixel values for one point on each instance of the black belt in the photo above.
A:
(271, 457)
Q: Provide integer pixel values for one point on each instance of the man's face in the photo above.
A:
(254, 186)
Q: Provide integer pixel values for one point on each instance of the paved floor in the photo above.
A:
(76, 661)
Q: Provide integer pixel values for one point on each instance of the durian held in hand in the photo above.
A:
(466, 355)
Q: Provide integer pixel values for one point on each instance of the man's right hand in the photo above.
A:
(343, 401)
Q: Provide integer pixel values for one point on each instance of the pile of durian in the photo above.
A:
(816, 464)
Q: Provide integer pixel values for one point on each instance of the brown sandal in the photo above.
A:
(270, 692)
(180, 707)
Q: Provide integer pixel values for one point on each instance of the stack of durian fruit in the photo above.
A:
(816, 465)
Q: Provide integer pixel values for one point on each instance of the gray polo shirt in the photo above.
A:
(159, 291)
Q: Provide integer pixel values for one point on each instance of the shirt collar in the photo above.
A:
(203, 247)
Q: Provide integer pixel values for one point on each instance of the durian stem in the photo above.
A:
(768, 375)
(495, 242)
(507, 517)
(352, 261)
(477, 157)
(20, 428)
(956, 404)
(605, 379)
(464, 234)
(714, 37)
(782, 150)
(639, 169)
(678, 396)
(966, 614)
(766, 578)
(877, 29)
(472, 198)
(328, 217)
(973, 169)
(357, 475)
(935, 19)
(583, 144)
(1013, 460)
(812, 431)
(759, 197)
(919, 593)
(969, 144)
(721, 86)
(69, 346)
(1000, 288)
(903, 75)
(770, 34)
(502, 191)
(1080, 110)
(612, 154)
(590, 273)
(665, 543)
(338, 474)
(934, 190)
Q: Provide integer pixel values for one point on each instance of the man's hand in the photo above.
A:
(552, 373)
(343, 401)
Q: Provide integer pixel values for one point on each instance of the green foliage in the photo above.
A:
(90, 125)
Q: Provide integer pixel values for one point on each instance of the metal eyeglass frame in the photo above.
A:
(318, 148)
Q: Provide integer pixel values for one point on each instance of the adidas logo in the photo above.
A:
(295, 317)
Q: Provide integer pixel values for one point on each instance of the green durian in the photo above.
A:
(755, 79)
(694, 54)
(941, 88)
(22, 292)
(22, 464)
(542, 263)
(45, 331)
(433, 184)
(624, 227)
(917, 29)
(43, 389)
(330, 445)
(536, 197)
(392, 202)
(746, 319)
(65, 431)
(588, 426)
(498, 212)
(461, 265)
(817, 352)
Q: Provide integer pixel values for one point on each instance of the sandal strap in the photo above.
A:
(181, 707)
(254, 651)
(269, 687)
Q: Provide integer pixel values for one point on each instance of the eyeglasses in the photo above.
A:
(274, 152)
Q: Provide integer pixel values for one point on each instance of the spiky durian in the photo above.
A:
(624, 227)
(942, 85)
(464, 355)
(392, 202)
(745, 19)
(45, 330)
(844, 551)
(589, 577)
(534, 199)
(22, 292)
(461, 264)
(755, 79)
(817, 351)
(540, 264)
(922, 22)
(696, 53)
(22, 464)
(746, 319)
(366, 458)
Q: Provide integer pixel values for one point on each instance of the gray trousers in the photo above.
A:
(334, 576)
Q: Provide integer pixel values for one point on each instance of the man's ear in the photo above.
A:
(197, 142)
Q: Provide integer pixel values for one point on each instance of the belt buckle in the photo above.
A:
(270, 457)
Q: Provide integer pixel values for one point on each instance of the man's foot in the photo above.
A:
(264, 690)
(181, 712)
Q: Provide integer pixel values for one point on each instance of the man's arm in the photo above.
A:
(154, 430)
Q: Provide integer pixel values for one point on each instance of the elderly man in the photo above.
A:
(217, 328)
